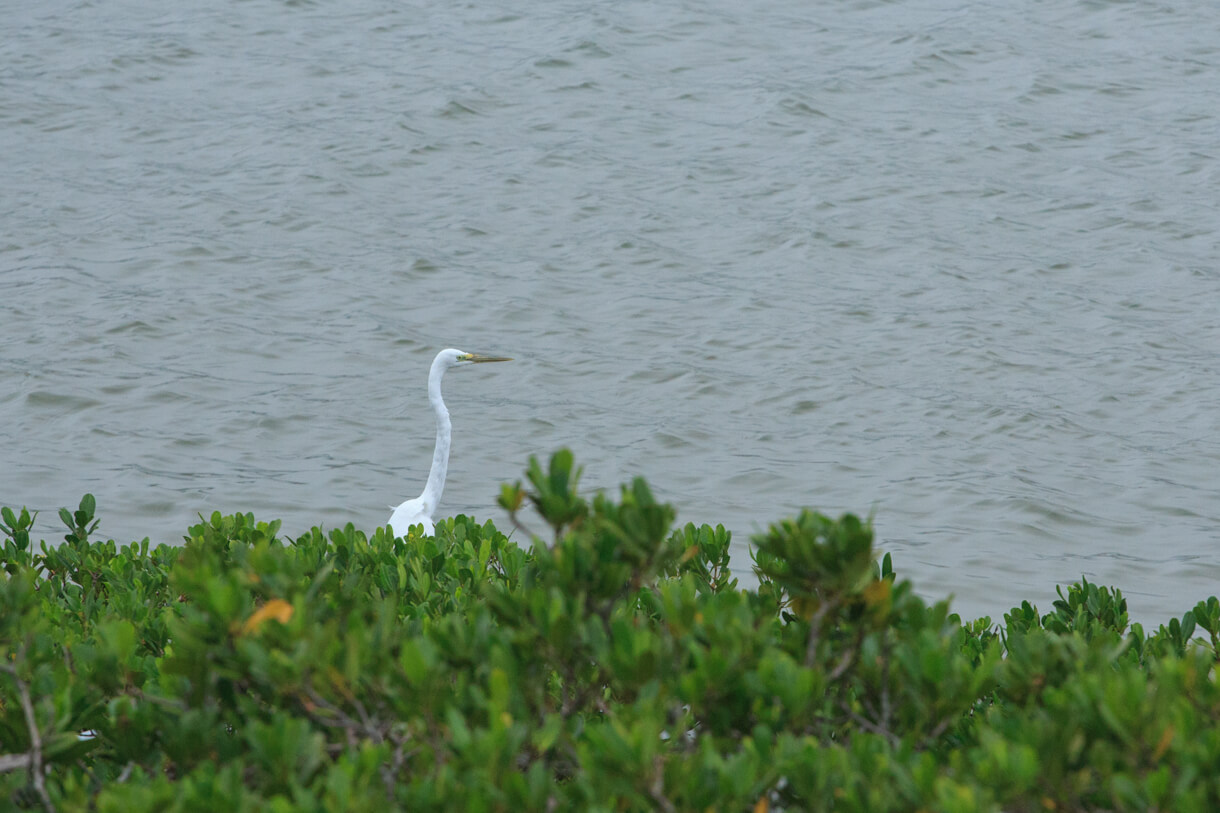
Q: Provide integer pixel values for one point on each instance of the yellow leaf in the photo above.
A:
(277, 608)
(1163, 745)
(805, 606)
(339, 684)
(762, 805)
(876, 592)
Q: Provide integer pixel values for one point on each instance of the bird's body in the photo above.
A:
(411, 513)
(418, 511)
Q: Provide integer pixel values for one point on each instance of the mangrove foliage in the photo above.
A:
(596, 658)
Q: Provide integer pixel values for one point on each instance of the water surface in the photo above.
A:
(955, 264)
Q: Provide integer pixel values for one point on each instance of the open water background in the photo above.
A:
(955, 263)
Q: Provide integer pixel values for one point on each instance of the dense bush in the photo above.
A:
(616, 665)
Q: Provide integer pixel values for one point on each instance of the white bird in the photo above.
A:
(419, 510)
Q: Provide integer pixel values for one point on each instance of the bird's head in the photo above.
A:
(460, 358)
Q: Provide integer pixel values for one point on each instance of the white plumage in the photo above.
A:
(419, 511)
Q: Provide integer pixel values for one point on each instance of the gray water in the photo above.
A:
(953, 263)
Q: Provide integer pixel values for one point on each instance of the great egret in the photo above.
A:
(419, 510)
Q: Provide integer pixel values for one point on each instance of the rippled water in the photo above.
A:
(953, 263)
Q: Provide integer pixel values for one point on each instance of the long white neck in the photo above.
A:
(440, 456)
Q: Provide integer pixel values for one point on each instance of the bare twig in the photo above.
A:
(35, 754)
(869, 725)
(389, 779)
(364, 718)
(656, 788)
(520, 526)
(939, 729)
(164, 702)
(842, 666)
(815, 625)
(885, 682)
(341, 718)
(13, 762)
(389, 772)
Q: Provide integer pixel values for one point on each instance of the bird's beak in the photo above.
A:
(475, 358)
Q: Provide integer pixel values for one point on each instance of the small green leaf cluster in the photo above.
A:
(613, 665)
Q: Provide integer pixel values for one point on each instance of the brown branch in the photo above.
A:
(13, 762)
(164, 702)
(869, 725)
(939, 729)
(364, 718)
(656, 788)
(390, 772)
(342, 719)
(815, 624)
(885, 682)
(520, 526)
(842, 666)
(35, 754)
(389, 779)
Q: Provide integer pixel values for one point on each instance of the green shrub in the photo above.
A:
(613, 665)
